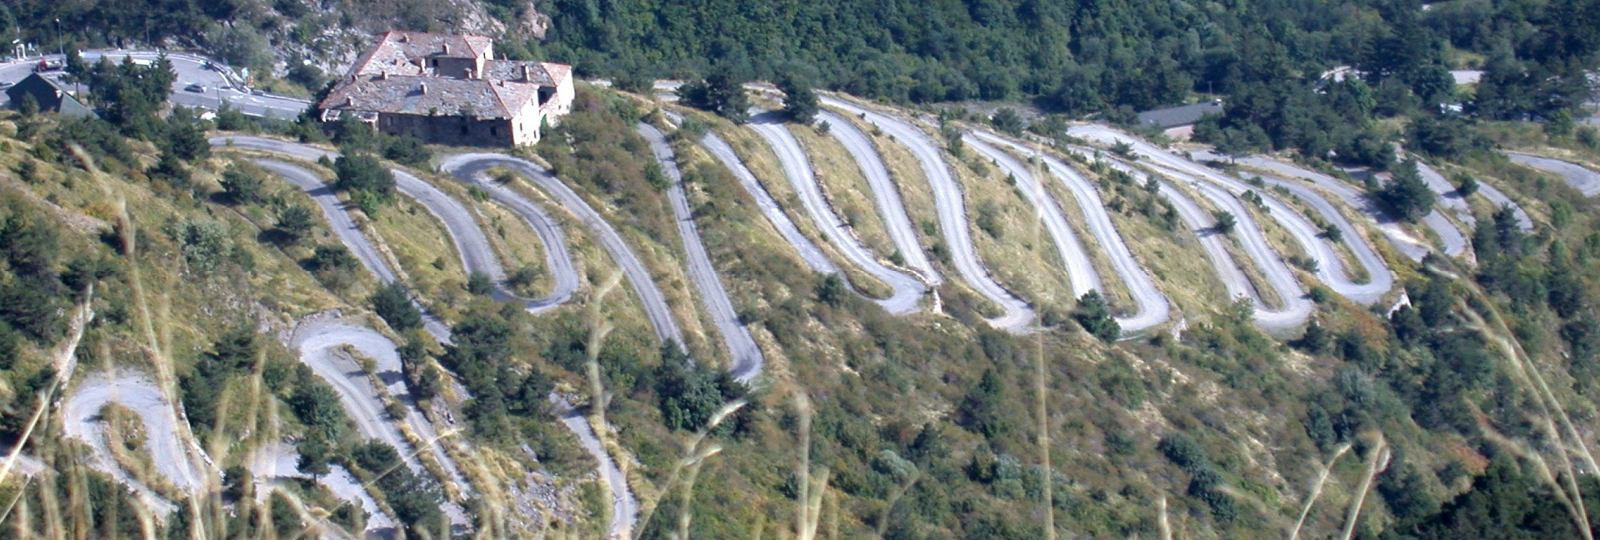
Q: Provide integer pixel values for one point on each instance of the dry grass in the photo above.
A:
(763, 163)
(661, 255)
(1258, 282)
(518, 246)
(1021, 256)
(744, 294)
(846, 189)
(596, 266)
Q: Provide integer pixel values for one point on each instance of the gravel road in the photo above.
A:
(884, 193)
(1580, 178)
(907, 289)
(1016, 315)
(808, 251)
(744, 353)
(1295, 307)
(655, 305)
(135, 391)
(320, 341)
(1152, 307)
(1330, 268)
(1414, 248)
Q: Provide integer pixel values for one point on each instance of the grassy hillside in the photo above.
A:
(1471, 400)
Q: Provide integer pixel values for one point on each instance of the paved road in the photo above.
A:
(1380, 278)
(624, 506)
(1017, 315)
(745, 354)
(884, 193)
(135, 391)
(276, 462)
(477, 254)
(1448, 197)
(1080, 269)
(655, 305)
(1295, 307)
(796, 166)
(348, 232)
(1330, 268)
(808, 251)
(1151, 306)
(320, 341)
(1412, 247)
(221, 85)
(1580, 178)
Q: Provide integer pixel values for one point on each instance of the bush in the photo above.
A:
(241, 185)
(392, 302)
(206, 245)
(1225, 221)
(1407, 194)
(800, 101)
(407, 150)
(295, 222)
(1095, 317)
(480, 284)
(721, 92)
(361, 173)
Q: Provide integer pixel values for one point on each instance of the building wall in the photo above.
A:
(449, 130)
(561, 103)
(526, 126)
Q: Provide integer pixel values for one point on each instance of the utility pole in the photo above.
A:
(61, 48)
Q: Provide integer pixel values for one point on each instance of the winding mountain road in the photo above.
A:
(162, 442)
(1152, 307)
(809, 252)
(1447, 196)
(744, 352)
(280, 461)
(473, 165)
(320, 343)
(884, 193)
(1453, 243)
(1584, 180)
(1016, 316)
(907, 289)
(1330, 267)
(472, 245)
(1080, 268)
(1580, 178)
(1294, 307)
(468, 238)
(1453, 198)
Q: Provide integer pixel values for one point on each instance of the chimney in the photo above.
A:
(527, 73)
(466, 73)
(384, 75)
(424, 88)
(405, 38)
(447, 49)
(349, 101)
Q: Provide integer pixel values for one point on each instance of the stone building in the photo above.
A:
(449, 89)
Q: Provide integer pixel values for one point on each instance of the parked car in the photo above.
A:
(48, 65)
(196, 88)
